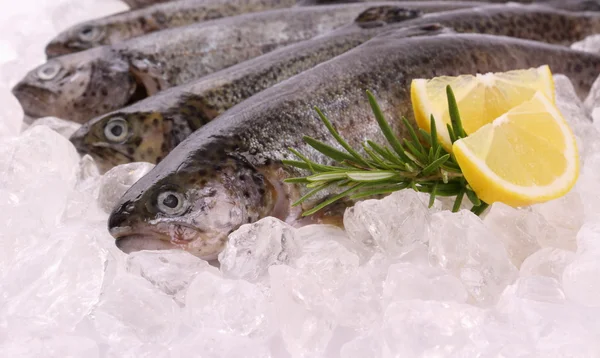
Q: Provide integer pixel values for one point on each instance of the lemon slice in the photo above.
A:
(526, 156)
(480, 98)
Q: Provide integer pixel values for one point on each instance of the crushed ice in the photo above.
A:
(402, 281)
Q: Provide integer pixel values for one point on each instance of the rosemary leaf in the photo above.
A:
(432, 195)
(426, 136)
(415, 151)
(311, 193)
(434, 138)
(339, 139)
(451, 133)
(328, 150)
(413, 135)
(371, 176)
(458, 200)
(328, 176)
(414, 160)
(377, 158)
(435, 164)
(473, 197)
(385, 127)
(444, 176)
(386, 153)
(457, 127)
(333, 199)
(479, 209)
(306, 166)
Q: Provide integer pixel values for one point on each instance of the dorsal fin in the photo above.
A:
(386, 14)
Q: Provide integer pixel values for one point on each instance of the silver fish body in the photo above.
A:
(229, 172)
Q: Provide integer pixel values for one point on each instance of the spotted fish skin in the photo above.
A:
(117, 28)
(229, 172)
(159, 123)
(169, 58)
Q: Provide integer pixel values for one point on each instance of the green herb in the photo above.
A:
(418, 162)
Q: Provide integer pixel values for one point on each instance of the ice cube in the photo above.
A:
(518, 229)
(131, 311)
(304, 309)
(588, 238)
(30, 164)
(408, 282)
(548, 262)
(568, 102)
(580, 276)
(60, 126)
(215, 344)
(536, 319)
(580, 280)
(231, 306)
(116, 181)
(464, 246)
(55, 279)
(416, 328)
(254, 247)
(358, 300)
(392, 225)
(37, 153)
(57, 345)
(592, 101)
(319, 232)
(82, 202)
(170, 271)
(368, 345)
(589, 44)
(540, 288)
(565, 215)
(588, 187)
(327, 260)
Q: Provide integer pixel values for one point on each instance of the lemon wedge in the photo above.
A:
(480, 98)
(527, 155)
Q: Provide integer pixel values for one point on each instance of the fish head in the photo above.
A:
(77, 38)
(123, 137)
(76, 87)
(194, 207)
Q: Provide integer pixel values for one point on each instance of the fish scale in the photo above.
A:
(203, 174)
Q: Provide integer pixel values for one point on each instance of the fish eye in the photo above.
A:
(48, 71)
(116, 130)
(171, 202)
(88, 33)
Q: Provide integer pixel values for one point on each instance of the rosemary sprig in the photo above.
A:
(418, 162)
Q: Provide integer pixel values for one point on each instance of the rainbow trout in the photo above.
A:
(229, 172)
(572, 5)
(117, 28)
(82, 85)
(150, 129)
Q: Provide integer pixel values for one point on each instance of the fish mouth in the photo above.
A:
(33, 99)
(129, 239)
(106, 158)
(133, 243)
(55, 49)
(162, 236)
